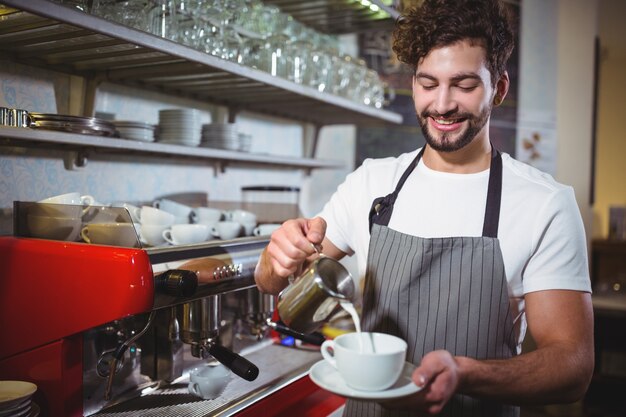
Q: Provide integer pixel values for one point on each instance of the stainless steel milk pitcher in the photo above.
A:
(307, 302)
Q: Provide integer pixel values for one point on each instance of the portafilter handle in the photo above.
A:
(236, 363)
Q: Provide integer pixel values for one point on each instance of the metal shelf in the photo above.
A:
(59, 38)
(340, 16)
(87, 144)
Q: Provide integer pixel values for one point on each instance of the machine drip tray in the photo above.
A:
(278, 366)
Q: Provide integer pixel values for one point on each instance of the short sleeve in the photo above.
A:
(559, 257)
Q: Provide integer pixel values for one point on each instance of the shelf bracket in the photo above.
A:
(91, 92)
(232, 114)
(310, 136)
(75, 160)
(219, 167)
(224, 114)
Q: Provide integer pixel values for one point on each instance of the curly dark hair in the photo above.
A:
(438, 23)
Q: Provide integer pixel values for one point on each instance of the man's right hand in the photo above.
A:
(290, 247)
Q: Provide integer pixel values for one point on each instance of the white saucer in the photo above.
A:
(326, 376)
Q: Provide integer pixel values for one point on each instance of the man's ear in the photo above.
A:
(502, 88)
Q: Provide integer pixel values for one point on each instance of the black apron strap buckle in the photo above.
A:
(381, 210)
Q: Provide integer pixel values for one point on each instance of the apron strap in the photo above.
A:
(382, 207)
(494, 194)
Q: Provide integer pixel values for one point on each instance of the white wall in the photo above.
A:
(556, 90)
(575, 53)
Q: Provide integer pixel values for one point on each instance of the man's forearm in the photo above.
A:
(558, 373)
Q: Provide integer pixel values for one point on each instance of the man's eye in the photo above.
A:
(467, 87)
(429, 87)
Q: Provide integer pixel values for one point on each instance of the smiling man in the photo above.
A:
(463, 249)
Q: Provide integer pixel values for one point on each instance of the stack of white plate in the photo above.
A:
(245, 142)
(220, 136)
(179, 127)
(16, 399)
(135, 130)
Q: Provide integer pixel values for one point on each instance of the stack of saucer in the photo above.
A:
(141, 131)
(179, 127)
(220, 136)
(16, 399)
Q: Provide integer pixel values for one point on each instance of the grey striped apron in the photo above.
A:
(439, 293)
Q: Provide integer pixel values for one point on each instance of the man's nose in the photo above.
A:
(444, 102)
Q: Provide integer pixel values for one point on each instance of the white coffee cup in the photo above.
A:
(366, 361)
(241, 216)
(63, 205)
(54, 228)
(181, 211)
(152, 234)
(70, 198)
(186, 234)
(265, 229)
(132, 209)
(206, 215)
(226, 230)
(154, 216)
(208, 382)
(114, 234)
(248, 228)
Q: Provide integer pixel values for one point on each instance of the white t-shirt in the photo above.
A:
(540, 230)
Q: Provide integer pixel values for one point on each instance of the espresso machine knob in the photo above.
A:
(176, 282)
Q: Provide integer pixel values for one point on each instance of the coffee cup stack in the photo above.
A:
(246, 219)
(181, 212)
(153, 223)
(59, 217)
(206, 215)
(181, 232)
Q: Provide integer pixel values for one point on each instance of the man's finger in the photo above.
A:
(316, 230)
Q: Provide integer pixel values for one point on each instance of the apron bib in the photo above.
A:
(439, 293)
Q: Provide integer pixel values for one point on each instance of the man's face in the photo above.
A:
(453, 96)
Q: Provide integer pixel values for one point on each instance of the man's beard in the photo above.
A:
(445, 143)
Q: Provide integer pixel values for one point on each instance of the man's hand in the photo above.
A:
(438, 376)
(290, 247)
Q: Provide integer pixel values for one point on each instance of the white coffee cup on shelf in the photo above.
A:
(248, 228)
(265, 229)
(70, 198)
(114, 234)
(182, 212)
(226, 230)
(241, 216)
(186, 234)
(209, 382)
(366, 361)
(152, 234)
(154, 216)
(132, 210)
(63, 205)
(206, 215)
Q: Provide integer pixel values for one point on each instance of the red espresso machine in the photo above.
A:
(109, 329)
